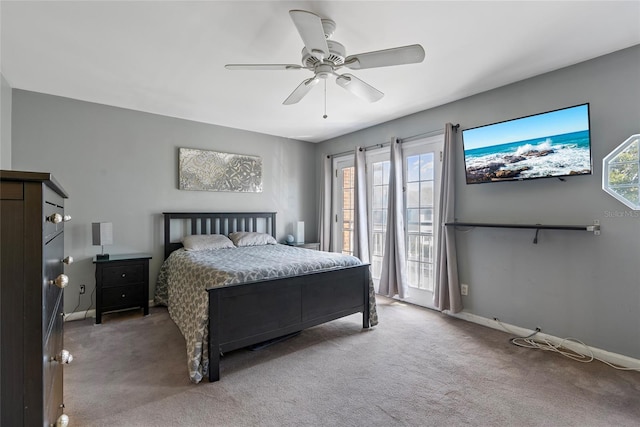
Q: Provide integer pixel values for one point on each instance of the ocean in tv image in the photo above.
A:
(546, 145)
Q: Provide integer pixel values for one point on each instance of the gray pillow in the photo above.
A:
(251, 238)
(200, 242)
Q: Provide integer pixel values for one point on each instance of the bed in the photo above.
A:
(231, 298)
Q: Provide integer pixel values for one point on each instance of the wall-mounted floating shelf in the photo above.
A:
(594, 228)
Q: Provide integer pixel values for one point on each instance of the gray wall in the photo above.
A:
(571, 284)
(5, 124)
(122, 166)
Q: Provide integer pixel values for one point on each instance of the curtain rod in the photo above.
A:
(401, 140)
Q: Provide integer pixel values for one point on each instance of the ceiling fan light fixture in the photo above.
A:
(324, 57)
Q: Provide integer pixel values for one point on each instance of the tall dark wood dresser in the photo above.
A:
(31, 299)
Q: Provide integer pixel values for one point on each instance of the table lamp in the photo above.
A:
(102, 233)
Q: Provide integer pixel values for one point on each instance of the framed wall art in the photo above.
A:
(203, 170)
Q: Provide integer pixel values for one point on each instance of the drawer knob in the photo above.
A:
(124, 274)
(61, 281)
(123, 295)
(63, 421)
(64, 357)
(68, 260)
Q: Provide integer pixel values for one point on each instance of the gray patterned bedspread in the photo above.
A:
(185, 277)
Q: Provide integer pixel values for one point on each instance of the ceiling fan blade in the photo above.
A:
(263, 67)
(302, 89)
(383, 58)
(309, 26)
(359, 88)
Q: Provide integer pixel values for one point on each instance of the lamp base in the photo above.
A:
(102, 256)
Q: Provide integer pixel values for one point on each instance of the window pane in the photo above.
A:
(426, 167)
(378, 197)
(376, 266)
(426, 194)
(377, 245)
(413, 168)
(413, 270)
(413, 220)
(378, 222)
(426, 221)
(347, 176)
(426, 244)
(426, 276)
(413, 195)
(413, 247)
(346, 242)
(621, 174)
(385, 172)
(377, 174)
(347, 198)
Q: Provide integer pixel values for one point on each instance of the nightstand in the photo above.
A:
(312, 245)
(122, 282)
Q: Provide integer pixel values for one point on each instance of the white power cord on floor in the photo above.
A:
(546, 345)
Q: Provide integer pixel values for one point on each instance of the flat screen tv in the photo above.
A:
(546, 145)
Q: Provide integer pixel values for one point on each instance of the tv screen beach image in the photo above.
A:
(552, 144)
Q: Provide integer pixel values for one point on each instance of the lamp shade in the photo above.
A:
(102, 233)
(300, 232)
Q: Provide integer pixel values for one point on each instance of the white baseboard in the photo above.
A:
(79, 315)
(614, 358)
(84, 314)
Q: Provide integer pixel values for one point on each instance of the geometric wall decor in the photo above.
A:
(620, 172)
(214, 171)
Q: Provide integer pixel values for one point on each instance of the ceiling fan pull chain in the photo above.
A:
(325, 99)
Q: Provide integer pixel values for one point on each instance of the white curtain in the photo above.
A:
(393, 275)
(447, 290)
(360, 223)
(324, 228)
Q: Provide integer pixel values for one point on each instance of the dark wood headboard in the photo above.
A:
(216, 223)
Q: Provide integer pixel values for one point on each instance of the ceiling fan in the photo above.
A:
(324, 57)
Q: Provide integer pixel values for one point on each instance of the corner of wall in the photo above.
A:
(5, 123)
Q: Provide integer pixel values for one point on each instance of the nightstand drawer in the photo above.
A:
(122, 281)
(122, 297)
(122, 275)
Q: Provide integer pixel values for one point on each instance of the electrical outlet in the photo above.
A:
(464, 289)
(82, 289)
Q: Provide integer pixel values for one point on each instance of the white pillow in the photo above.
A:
(251, 238)
(200, 242)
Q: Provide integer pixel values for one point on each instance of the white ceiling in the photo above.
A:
(168, 57)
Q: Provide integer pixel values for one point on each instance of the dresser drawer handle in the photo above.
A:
(63, 421)
(124, 296)
(55, 218)
(124, 274)
(67, 260)
(61, 281)
(64, 357)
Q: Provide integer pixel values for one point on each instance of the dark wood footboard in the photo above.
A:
(250, 313)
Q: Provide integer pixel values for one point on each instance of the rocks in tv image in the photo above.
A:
(530, 147)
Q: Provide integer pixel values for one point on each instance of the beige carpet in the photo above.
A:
(416, 368)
